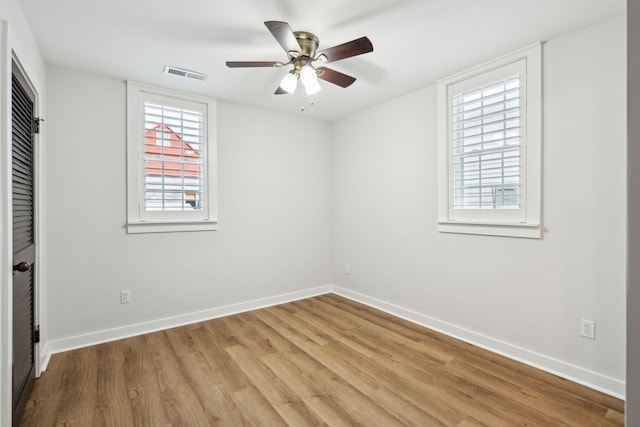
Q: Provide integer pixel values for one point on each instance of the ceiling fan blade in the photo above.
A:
(245, 64)
(348, 49)
(335, 77)
(280, 91)
(283, 34)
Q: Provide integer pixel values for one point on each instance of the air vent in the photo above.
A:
(184, 73)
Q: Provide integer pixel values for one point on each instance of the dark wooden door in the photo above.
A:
(22, 103)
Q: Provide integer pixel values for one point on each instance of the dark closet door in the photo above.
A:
(23, 246)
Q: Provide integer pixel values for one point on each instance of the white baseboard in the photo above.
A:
(562, 369)
(44, 355)
(610, 386)
(99, 337)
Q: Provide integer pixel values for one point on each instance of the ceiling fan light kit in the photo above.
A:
(301, 48)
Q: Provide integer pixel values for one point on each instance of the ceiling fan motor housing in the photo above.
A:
(308, 45)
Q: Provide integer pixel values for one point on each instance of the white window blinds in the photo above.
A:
(486, 146)
(174, 173)
(171, 161)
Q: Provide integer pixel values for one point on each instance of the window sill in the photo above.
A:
(170, 227)
(530, 231)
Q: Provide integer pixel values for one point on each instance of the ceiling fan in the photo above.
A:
(301, 47)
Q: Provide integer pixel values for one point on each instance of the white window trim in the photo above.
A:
(530, 226)
(136, 223)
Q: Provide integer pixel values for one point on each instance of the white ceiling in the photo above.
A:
(415, 42)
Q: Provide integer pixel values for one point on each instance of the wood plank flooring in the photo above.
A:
(320, 361)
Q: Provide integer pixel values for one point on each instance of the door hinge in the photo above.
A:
(36, 124)
(36, 335)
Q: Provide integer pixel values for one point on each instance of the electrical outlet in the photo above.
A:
(347, 269)
(125, 297)
(588, 329)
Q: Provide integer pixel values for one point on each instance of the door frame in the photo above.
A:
(8, 60)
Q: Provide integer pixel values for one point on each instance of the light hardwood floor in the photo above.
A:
(320, 361)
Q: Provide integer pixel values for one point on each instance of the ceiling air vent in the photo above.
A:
(181, 72)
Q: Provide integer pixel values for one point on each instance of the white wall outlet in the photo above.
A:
(588, 329)
(125, 297)
(347, 269)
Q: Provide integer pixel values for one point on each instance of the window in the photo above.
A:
(171, 161)
(489, 147)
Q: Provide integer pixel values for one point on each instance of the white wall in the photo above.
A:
(274, 208)
(17, 42)
(520, 297)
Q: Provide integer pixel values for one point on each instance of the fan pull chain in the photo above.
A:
(311, 104)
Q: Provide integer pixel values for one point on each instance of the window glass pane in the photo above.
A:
(173, 159)
(486, 146)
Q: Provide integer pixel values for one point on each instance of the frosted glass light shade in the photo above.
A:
(289, 83)
(312, 86)
(307, 73)
(310, 80)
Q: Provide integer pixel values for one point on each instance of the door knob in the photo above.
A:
(22, 266)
